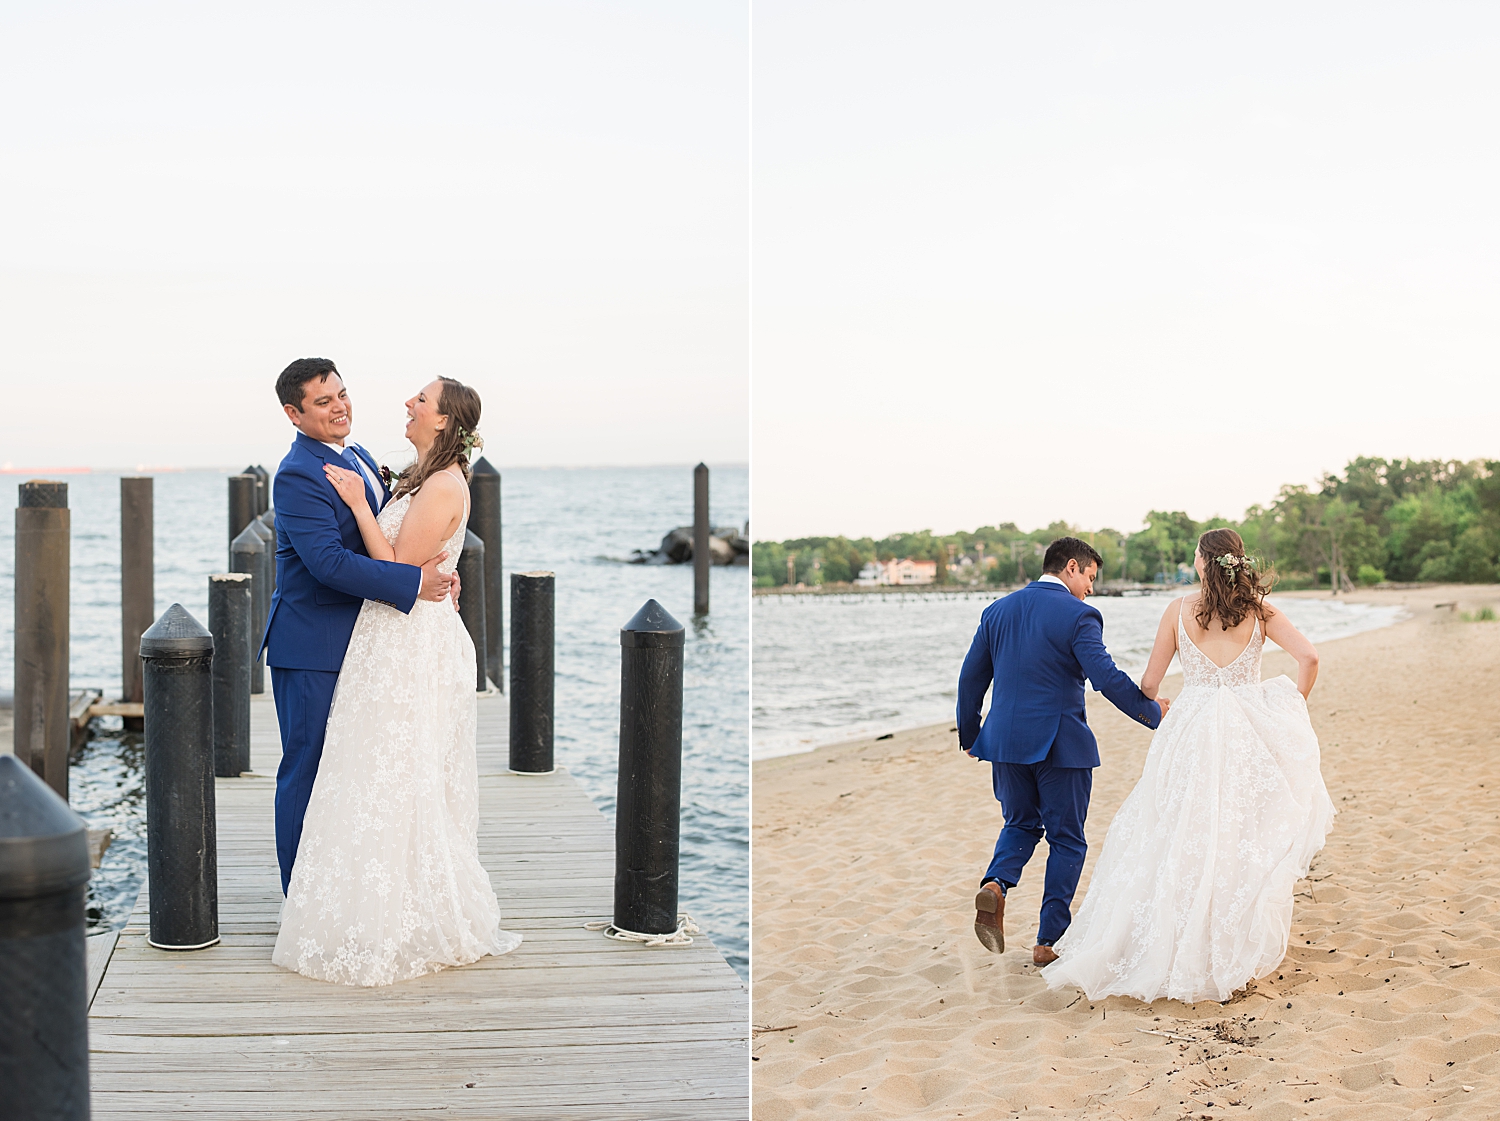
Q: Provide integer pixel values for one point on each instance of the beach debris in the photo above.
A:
(1167, 1035)
(1230, 1031)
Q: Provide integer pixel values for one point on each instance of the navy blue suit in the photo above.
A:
(1036, 646)
(323, 575)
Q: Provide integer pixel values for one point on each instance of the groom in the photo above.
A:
(323, 575)
(1036, 646)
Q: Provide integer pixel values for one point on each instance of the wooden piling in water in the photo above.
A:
(702, 555)
(242, 502)
(42, 727)
(137, 583)
(262, 487)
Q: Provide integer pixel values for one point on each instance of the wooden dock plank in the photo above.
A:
(571, 1025)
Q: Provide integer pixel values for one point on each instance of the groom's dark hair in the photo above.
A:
(1064, 549)
(289, 386)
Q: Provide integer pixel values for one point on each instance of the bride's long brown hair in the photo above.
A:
(1233, 589)
(453, 442)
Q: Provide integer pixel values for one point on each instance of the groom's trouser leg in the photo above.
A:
(1016, 791)
(1064, 805)
(303, 698)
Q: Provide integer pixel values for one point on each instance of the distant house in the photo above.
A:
(893, 572)
(908, 571)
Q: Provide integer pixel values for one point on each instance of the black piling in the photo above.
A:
(243, 502)
(247, 553)
(262, 487)
(471, 601)
(703, 556)
(648, 805)
(42, 730)
(181, 853)
(137, 583)
(533, 616)
(44, 1003)
(267, 537)
(230, 611)
(484, 519)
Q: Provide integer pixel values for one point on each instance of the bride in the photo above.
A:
(1192, 897)
(387, 884)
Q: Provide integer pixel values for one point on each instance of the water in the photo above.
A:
(578, 523)
(833, 668)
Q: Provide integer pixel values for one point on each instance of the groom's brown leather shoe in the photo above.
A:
(989, 918)
(1043, 955)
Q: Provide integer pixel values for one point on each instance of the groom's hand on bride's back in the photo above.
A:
(435, 585)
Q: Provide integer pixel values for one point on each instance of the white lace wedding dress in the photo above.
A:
(1192, 896)
(387, 884)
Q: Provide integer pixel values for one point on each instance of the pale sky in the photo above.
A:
(548, 201)
(1018, 262)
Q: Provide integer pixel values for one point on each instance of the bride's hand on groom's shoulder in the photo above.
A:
(350, 487)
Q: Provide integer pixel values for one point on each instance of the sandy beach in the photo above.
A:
(873, 998)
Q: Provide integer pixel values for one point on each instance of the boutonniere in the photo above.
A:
(385, 475)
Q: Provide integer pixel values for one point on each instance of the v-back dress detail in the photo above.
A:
(1192, 896)
(387, 884)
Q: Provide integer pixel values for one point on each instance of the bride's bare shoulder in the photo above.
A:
(442, 490)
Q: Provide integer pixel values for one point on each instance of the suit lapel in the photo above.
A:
(328, 455)
(376, 500)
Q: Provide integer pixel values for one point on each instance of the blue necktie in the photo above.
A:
(352, 460)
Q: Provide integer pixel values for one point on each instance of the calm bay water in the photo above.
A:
(832, 668)
(577, 522)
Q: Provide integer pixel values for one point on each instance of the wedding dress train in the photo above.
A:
(1192, 896)
(387, 884)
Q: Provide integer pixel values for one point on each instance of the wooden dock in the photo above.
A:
(570, 1025)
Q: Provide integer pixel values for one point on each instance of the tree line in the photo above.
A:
(1377, 520)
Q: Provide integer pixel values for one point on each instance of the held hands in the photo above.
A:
(436, 585)
(350, 487)
(1165, 704)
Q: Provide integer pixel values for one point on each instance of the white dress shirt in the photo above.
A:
(1047, 577)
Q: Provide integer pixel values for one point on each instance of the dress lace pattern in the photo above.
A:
(388, 885)
(1192, 896)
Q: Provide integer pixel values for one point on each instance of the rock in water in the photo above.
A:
(725, 545)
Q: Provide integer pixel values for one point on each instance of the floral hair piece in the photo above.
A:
(471, 441)
(1229, 562)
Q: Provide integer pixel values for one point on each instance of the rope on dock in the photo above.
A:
(679, 937)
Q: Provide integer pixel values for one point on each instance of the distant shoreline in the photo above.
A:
(1112, 589)
(997, 590)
